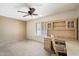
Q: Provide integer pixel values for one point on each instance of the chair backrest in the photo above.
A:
(53, 42)
(53, 39)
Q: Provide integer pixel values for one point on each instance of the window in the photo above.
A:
(41, 29)
(38, 29)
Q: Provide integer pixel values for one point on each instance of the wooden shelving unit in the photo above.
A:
(59, 25)
(62, 28)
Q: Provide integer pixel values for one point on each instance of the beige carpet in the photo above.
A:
(24, 48)
(72, 47)
(34, 48)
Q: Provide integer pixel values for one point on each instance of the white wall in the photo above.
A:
(11, 30)
(31, 25)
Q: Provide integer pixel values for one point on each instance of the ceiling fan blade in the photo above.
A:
(35, 14)
(25, 15)
(22, 11)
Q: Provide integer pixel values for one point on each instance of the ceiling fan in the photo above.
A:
(30, 12)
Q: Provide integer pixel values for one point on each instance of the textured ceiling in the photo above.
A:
(10, 9)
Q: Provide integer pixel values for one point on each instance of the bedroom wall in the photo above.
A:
(78, 12)
(31, 25)
(78, 23)
(11, 30)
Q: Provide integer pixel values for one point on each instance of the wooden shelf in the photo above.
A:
(59, 27)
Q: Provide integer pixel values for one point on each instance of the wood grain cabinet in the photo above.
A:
(71, 24)
(48, 45)
(63, 29)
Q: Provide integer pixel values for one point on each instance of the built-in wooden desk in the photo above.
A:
(48, 44)
(55, 45)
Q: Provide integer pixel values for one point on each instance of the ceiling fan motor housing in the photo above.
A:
(31, 11)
